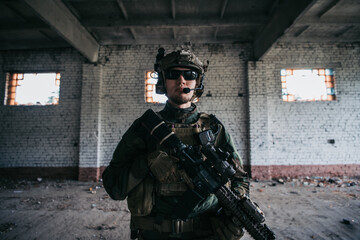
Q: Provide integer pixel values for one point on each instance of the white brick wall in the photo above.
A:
(90, 130)
(258, 113)
(294, 133)
(42, 136)
(122, 92)
(99, 102)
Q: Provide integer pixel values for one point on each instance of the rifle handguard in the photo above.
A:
(208, 177)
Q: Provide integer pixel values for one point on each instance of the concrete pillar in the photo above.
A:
(90, 123)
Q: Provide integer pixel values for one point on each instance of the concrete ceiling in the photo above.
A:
(88, 24)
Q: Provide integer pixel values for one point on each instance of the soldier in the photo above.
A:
(147, 173)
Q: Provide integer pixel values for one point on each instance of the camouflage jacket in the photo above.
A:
(129, 167)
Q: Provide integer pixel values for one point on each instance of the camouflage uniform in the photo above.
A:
(150, 200)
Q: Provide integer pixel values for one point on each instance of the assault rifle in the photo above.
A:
(208, 177)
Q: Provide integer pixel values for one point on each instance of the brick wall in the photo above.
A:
(122, 90)
(297, 133)
(90, 128)
(42, 136)
(98, 102)
(107, 97)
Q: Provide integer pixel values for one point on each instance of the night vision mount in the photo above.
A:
(160, 85)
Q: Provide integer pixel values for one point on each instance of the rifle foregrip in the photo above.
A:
(243, 219)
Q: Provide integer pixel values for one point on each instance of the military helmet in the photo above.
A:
(180, 58)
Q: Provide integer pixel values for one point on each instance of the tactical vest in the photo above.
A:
(141, 198)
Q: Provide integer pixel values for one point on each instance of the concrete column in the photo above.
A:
(90, 123)
(258, 116)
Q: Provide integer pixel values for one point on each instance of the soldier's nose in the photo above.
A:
(181, 79)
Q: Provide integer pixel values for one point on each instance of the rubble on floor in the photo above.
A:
(318, 181)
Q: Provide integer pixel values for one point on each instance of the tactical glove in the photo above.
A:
(225, 229)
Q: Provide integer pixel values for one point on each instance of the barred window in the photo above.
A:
(32, 89)
(317, 84)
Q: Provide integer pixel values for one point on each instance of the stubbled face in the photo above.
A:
(175, 87)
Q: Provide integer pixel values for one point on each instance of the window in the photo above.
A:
(150, 95)
(317, 84)
(32, 88)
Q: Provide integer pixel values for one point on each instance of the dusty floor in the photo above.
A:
(298, 209)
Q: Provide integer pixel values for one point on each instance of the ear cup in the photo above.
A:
(160, 85)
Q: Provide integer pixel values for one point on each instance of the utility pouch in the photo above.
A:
(140, 199)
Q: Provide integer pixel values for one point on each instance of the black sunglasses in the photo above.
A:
(187, 74)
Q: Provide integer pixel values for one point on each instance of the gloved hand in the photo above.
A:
(163, 167)
(225, 229)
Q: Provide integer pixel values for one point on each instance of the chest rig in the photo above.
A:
(187, 134)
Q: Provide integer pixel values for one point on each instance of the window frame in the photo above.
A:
(330, 83)
(9, 74)
(150, 88)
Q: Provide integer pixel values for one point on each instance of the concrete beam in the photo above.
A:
(72, 10)
(284, 17)
(173, 9)
(166, 41)
(339, 20)
(301, 31)
(243, 20)
(327, 39)
(343, 31)
(327, 8)
(122, 8)
(133, 33)
(58, 16)
(25, 44)
(223, 8)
